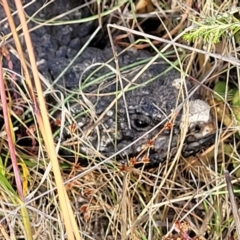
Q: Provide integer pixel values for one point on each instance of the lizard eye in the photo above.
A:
(140, 123)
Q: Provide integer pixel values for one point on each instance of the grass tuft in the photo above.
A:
(48, 195)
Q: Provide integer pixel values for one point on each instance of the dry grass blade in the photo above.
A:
(11, 144)
(43, 121)
(7, 120)
(230, 59)
(233, 203)
(42, 116)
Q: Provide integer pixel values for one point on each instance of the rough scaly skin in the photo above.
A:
(138, 114)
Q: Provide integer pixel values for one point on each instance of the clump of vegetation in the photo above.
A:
(46, 196)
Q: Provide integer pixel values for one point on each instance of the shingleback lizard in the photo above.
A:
(142, 113)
